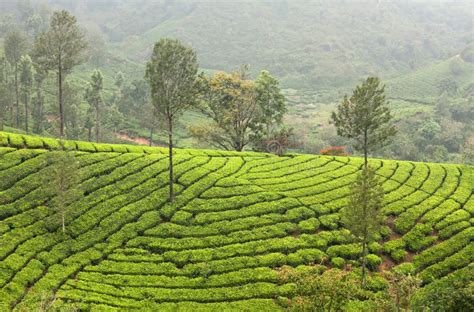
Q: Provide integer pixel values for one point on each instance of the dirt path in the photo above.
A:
(137, 140)
(386, 264)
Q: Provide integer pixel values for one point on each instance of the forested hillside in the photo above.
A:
(307, 44)
(317, 50)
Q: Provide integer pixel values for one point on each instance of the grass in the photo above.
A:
(237, 218)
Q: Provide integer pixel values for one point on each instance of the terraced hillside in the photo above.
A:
(237, 218)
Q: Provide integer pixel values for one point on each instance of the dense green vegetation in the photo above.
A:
(318, 51)
(237, 218)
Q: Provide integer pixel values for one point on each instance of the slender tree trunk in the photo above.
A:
(12, 115)
(364, 261)
(62, 220)
(97, 130)
(26, 112)
(170, 146)
(60, 99)
(38, 117)
(17, 100)
(89, 134)
(268, 130)
(366, 150)
(150, 141)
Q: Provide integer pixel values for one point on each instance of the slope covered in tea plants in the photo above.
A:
(237, 218)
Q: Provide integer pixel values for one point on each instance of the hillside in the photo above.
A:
(237, 218)
(454, 76)
(306, 44)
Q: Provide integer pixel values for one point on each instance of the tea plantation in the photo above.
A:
(237, 218)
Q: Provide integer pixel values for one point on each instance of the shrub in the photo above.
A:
(16, 140)
(405, 268)
(419, 237)
(373, 261)
(338, 262)
(398, 254)
(375, 247)
(309, 226)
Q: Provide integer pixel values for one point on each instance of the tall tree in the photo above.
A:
(15, 46)
(230, 101)
(271, 101)
(362, 215)
(6, 95)
(365, 117)
(38, 101)
(62, 182)
(72, 113)
(172, 75)
(94, 98)
(119, 80)
(60, 49)
(26, 85)
(89, 123)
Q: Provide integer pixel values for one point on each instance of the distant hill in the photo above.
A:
(454, 76)
(307, 44)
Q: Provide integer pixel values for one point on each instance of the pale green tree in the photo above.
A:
(60, 49)
(363, 213)
(230, 102)
(62, 182)
(271, 101)
(94, 98)
(38, 101)
(26, 85)
(172, 75)
(15, 46)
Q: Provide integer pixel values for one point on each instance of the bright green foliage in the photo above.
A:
(450, 293)
(62, 182)
(363, 215)
(236, 220)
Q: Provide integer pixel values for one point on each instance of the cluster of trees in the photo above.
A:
(241, 111)
(321, 289)
(442, 136)
(33, 75)
(25, 67)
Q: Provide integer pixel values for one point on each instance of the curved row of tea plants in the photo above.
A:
(238, 217)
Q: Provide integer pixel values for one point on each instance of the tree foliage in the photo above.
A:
(60, 49)
(328, 291)
(94, 98)
(172, 75)
(271, 102)
(26, 85)
(229, 100)
(15, 46)
(38, 101)
(362, 215)
(365, 117)
(62, 182)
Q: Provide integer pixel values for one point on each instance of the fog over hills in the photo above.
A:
(307, 44)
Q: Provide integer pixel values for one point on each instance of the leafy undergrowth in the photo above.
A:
(238, 217)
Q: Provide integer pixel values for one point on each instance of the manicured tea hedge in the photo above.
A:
(237, 218)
